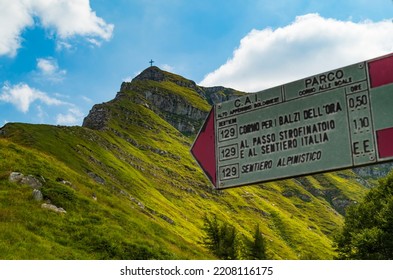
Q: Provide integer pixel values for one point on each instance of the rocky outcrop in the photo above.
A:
(176, 111)
(374, 171)
(175, 108)
(37, 195)
(53, 208)
(219, 94)
(96, 178)
(97, 118)
(172, 107)
(16, 177)
(28, 180)
(174, 104)
(329, 192)
(156, 74)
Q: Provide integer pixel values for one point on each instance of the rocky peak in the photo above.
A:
(172, 103)
(152, 73)
(219, 94)
(97, 118)
(180, 101)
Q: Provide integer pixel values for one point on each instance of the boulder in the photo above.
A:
(31, 181)
(16, 177)
(37, 195)
(64, 182)
(96, 178)
(53, 208)
(97, 118)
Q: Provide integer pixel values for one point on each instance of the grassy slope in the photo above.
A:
(153, 199)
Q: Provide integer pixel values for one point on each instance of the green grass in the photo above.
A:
(101, 229)
(173, 89)
(153, 197)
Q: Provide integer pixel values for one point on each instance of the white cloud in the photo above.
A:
(72, 117)
(41, 113)
(65, 18)
(87, 99)
(63, 96)
(48, 69)
(22, 96)
(47, 66)
(94, 42)
(71, 17)
(61, 45)
(310, 45)
(129, 78)
(14, 17)
(167, 67)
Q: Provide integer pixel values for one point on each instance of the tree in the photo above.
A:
(368, 228)
(211, 239)
(257, 248)
(220, 238)
(228, 242)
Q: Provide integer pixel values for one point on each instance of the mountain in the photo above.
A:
(124, 185)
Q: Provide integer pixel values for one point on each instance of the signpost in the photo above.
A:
(335, 120)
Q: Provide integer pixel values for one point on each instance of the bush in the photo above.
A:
(59, 195)
(368, 228)
(220, 238)
(257, 248)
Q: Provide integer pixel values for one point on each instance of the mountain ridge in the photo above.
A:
(191, 101)
(134, 191)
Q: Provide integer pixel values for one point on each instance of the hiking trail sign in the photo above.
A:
(334, 120)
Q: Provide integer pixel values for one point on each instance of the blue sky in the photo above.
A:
(58, 58)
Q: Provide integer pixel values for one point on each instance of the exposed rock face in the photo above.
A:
(219, 94)
(374, 171)
(37, 195)
(29, 180)
(97, 118)
(96, 178)
(172, 107)
(156, 74)
(152, 73)
(175, 109)
(174, 104)
(53, 208)
(341, 204)
(15, 177)
(330, 193)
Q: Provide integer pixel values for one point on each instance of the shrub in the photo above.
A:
(368, 228)
(257, 248)
(220, 238)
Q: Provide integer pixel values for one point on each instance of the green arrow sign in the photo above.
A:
(335, 120)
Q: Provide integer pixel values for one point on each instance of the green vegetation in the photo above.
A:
(132, 191)
(368, 229)
(223, 240)
(170, 88)
(220, 239)
(257, 247)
